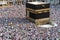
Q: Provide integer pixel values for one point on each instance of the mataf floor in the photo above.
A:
(15, 26)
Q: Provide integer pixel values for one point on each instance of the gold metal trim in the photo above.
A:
(39, 21)
(37, 11)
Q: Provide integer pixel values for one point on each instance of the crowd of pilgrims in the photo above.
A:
(15, 26)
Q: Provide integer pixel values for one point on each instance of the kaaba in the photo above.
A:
(37, 5)
(38, 12)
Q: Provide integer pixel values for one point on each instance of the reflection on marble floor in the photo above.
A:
(15, 26)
